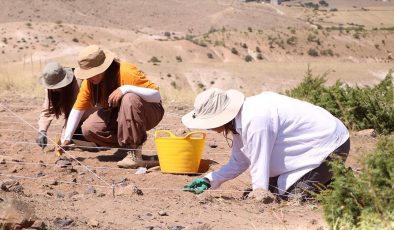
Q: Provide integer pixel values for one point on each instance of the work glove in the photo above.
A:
(42, 140)
(197, 186)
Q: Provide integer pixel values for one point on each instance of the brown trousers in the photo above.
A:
(124, 126)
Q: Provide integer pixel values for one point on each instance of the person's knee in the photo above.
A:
(87, 131)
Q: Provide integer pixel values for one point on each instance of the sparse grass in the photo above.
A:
(248, 58)
(313, 52)
(154, 60)
(178, 58)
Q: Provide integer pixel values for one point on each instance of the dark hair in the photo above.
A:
(229, 127)
(61, 101)
(101, 91)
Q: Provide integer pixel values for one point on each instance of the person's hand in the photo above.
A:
(115, 98)
(66, 145)
(42, 139)
(197, 185)
(262, 195)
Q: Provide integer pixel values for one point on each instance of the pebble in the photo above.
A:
(91, 190)
(62, 222)
(73, 193)
(141, 170)
(93, 223)
(163, 213)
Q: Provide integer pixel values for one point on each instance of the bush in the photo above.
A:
(179, 58)
(234, 51)
(292, 40)
(259, 56)
(364, 201)
(210, 55)
(154, 60)
(359, 108)
(248, 58)
(327, 52)
(167, 34)
(313, 52)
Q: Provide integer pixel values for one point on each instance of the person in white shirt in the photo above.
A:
(285, 142)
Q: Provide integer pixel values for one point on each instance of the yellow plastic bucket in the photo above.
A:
(179, 154)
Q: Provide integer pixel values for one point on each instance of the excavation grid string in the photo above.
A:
(120, 185)
(66, 152)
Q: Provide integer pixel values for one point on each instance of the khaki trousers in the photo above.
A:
(124, 126)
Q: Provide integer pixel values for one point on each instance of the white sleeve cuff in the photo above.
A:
(148, 95)
(72, 122)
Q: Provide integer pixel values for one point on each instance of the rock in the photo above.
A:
(101, 195)
(137, 191)
(177, 227)
(261, 195)
(91, 190)
(93, 223)
(54, 182)
(213, 145)
(16, 214)
(11, 186)
(62, 222)
(39, 225)
(141, 170)
(63, 163)
(60, 195)
(42, 164)
(366, 132)
(40, 174)
(73, 193)
(162, 213)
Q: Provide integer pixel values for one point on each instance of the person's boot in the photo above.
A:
(134, 160)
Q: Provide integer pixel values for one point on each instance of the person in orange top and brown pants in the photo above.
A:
(129, 105)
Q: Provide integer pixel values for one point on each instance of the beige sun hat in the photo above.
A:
(55, 76)
(214, 108)
(93, 60)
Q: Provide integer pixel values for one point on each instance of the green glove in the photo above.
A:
(198, 185)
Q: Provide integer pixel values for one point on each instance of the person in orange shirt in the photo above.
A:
(129, 105)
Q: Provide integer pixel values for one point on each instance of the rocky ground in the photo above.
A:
(87, 190)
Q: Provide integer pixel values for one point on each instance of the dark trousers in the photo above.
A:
(313, 181)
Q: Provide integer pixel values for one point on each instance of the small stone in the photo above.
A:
(11, 186)
(42, 164)
(141, 170)
(54, 182)
(59, 195)
(101, 195)
(163, 213)
(73, 193)
(178, 227)
(137, 191)
(62, 222)
(91, 190)
(74, 180)
(63, 163)
(93, 223)
(50, 193)
(40, 174)
(313, 221)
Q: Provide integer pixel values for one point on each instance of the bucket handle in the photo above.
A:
(172, 135)
(157, 132)
(189, 135)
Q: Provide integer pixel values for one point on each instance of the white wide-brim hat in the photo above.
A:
(55, 76)
(214, 108)
(93, 60)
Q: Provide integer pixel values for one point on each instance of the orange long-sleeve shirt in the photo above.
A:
(129, 74)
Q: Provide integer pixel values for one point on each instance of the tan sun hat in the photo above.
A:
(55, 76)
(214, 108)
(93, 60)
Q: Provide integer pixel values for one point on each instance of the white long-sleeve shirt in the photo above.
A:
(279, 136)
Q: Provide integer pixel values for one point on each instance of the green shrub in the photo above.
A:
(234, 51)
(154, 60)
(313, 52)
(167, 34)
(365, 201)
(210, 55)
(358, 107)
(248, 58)
(179, 58)
(292, 40)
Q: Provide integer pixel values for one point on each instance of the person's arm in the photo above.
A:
(237, 164)
(72, 122)
(45, 116)
(147, 94)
